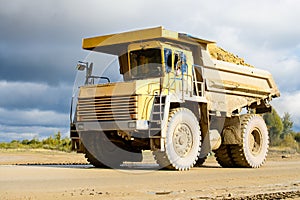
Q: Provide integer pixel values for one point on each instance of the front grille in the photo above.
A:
(116, 108)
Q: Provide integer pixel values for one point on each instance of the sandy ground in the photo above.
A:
(139, 181)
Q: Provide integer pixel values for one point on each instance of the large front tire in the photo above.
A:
(101, 152)
(253, 151)
(183, 141)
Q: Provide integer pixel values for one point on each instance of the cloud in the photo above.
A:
(37, 43)
(27, 95)
(33, 117)
(285, 71)
(46, 40)
(8, 133)
(51, 64)
(269, 23)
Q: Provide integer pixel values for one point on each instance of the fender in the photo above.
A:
(231, 133)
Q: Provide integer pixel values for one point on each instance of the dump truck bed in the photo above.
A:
(230, 86)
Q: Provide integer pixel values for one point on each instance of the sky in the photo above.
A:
(40, 44)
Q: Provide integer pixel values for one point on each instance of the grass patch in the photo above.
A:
(50, 143)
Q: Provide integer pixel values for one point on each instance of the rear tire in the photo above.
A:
(253, 151)
(200, 162)
(183, 141)
(224, 157)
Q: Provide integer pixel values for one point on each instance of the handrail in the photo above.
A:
(98, 77)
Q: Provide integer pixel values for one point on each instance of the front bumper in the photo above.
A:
(132, 125)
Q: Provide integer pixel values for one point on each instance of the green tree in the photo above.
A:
(25, 142)
(287, 125)
(289, 141)
(275, 126)
(57, 136)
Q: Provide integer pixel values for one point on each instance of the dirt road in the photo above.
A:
(208, 182)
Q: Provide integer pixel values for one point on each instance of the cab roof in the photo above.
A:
(117, 43)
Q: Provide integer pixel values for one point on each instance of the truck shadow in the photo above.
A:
(136, 166)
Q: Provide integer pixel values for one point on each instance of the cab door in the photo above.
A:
(182, 75)
(178, 79)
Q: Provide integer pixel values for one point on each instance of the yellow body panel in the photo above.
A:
(111, 89)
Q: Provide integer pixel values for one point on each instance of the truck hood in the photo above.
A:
(146, 87)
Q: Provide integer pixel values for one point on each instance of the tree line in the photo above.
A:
(281, 130)
(55, 142)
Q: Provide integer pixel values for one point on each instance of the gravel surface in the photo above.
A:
(67, 176)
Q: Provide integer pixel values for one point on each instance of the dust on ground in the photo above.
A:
(44, 156)
(35, 156)
(279, 178)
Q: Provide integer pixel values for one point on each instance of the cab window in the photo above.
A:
(145, 63)
(168, 59)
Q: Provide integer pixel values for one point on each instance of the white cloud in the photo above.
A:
(8, 133)
(286, 72)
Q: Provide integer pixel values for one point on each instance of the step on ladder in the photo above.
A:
(156, 117)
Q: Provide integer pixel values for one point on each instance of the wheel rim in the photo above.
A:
(255, 142)
(182, 139)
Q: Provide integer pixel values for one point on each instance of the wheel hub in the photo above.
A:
(182, 140)
(255, 142)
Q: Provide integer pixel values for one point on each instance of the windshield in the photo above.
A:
(145, 63)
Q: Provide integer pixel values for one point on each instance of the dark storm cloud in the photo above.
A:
(44, 64)
(40, 41)
(35, 50)
(27, 96)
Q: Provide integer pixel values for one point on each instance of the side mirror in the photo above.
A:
(81, 66)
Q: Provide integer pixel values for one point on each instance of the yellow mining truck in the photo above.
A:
(173, 99)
